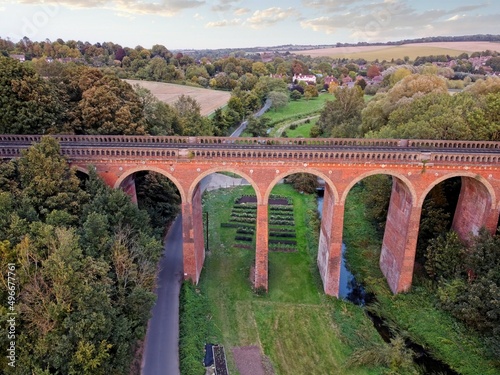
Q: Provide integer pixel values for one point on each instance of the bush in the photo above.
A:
(193, 330)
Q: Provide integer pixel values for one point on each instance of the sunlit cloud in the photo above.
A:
(270, 16)
(241, 11)
(165, 8)
(223, 23)
(322, 24)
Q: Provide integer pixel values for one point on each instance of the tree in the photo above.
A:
(444, 257)
(159, 197)
(295, 95)
(377, 112)
(485, 86)
(259, 69)
(311, 91)
(341, 117)
(190, 119)
(373, 71)
(278, 99)
(266, 84)
(47, 182)
(257, 126)
(303, 182)
(473, 293)
(30, 104)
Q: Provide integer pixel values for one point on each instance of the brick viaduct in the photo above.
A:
(416, 166)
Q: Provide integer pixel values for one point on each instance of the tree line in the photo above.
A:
(463, 276)
(86, 262)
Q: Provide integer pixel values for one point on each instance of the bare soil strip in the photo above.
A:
(250, 361)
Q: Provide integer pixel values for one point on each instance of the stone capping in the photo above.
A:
(354, 150)
(159, 140)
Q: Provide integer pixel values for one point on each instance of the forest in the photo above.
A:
(86, 256)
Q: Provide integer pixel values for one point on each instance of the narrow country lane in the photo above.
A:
(161, 353)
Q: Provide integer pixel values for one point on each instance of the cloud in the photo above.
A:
(125, 15)
(224, 5)
(270, 16)
(223, 23)
(330, 5)
(165, 8)
(324, 24)
(241, 11)
(198, 17)
(395, 19)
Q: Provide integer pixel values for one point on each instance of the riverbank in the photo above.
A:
(413, 315)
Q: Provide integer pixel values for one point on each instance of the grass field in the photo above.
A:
(296, 108)
(371, 53)
(209, 100)
(300, 329)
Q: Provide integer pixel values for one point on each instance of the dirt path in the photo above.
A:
(282, 128)
(250, 361)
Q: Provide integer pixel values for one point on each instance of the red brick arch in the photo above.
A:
(288, 172)
(237, 171)
(385, 172)
(130, 172)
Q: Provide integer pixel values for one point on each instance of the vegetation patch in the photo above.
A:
(294, 324)
(413, 315)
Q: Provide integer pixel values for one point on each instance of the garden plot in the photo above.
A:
(282, 236)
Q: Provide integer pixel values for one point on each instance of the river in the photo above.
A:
(352, 291)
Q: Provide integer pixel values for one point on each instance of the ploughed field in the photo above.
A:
(209, 100)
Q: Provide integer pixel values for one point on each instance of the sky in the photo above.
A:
(204, 24)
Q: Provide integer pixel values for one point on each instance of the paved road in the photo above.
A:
(243, 125)
(161, 353)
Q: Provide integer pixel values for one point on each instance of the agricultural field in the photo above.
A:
(209, 100)
(384, 52)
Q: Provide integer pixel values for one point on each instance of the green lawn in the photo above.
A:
(303, 130)
(300, 329)
(298, 108)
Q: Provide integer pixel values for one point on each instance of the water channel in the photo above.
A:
(353, 291)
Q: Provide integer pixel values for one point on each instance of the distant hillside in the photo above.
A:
(412, 50)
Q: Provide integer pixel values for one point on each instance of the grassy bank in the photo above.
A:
(300, 329)
(413, 314)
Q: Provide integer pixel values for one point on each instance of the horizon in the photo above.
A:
(241, 24)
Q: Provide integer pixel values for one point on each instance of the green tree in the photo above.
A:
(30, 104)
(47, 182)
(311, 91)
(190, 119)
(278, 99)
(303, 182)
(444, 257)
(295, 95)
(259, 69)
(159, 197)
(341, 117)
(257, 126)
(473, 294)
